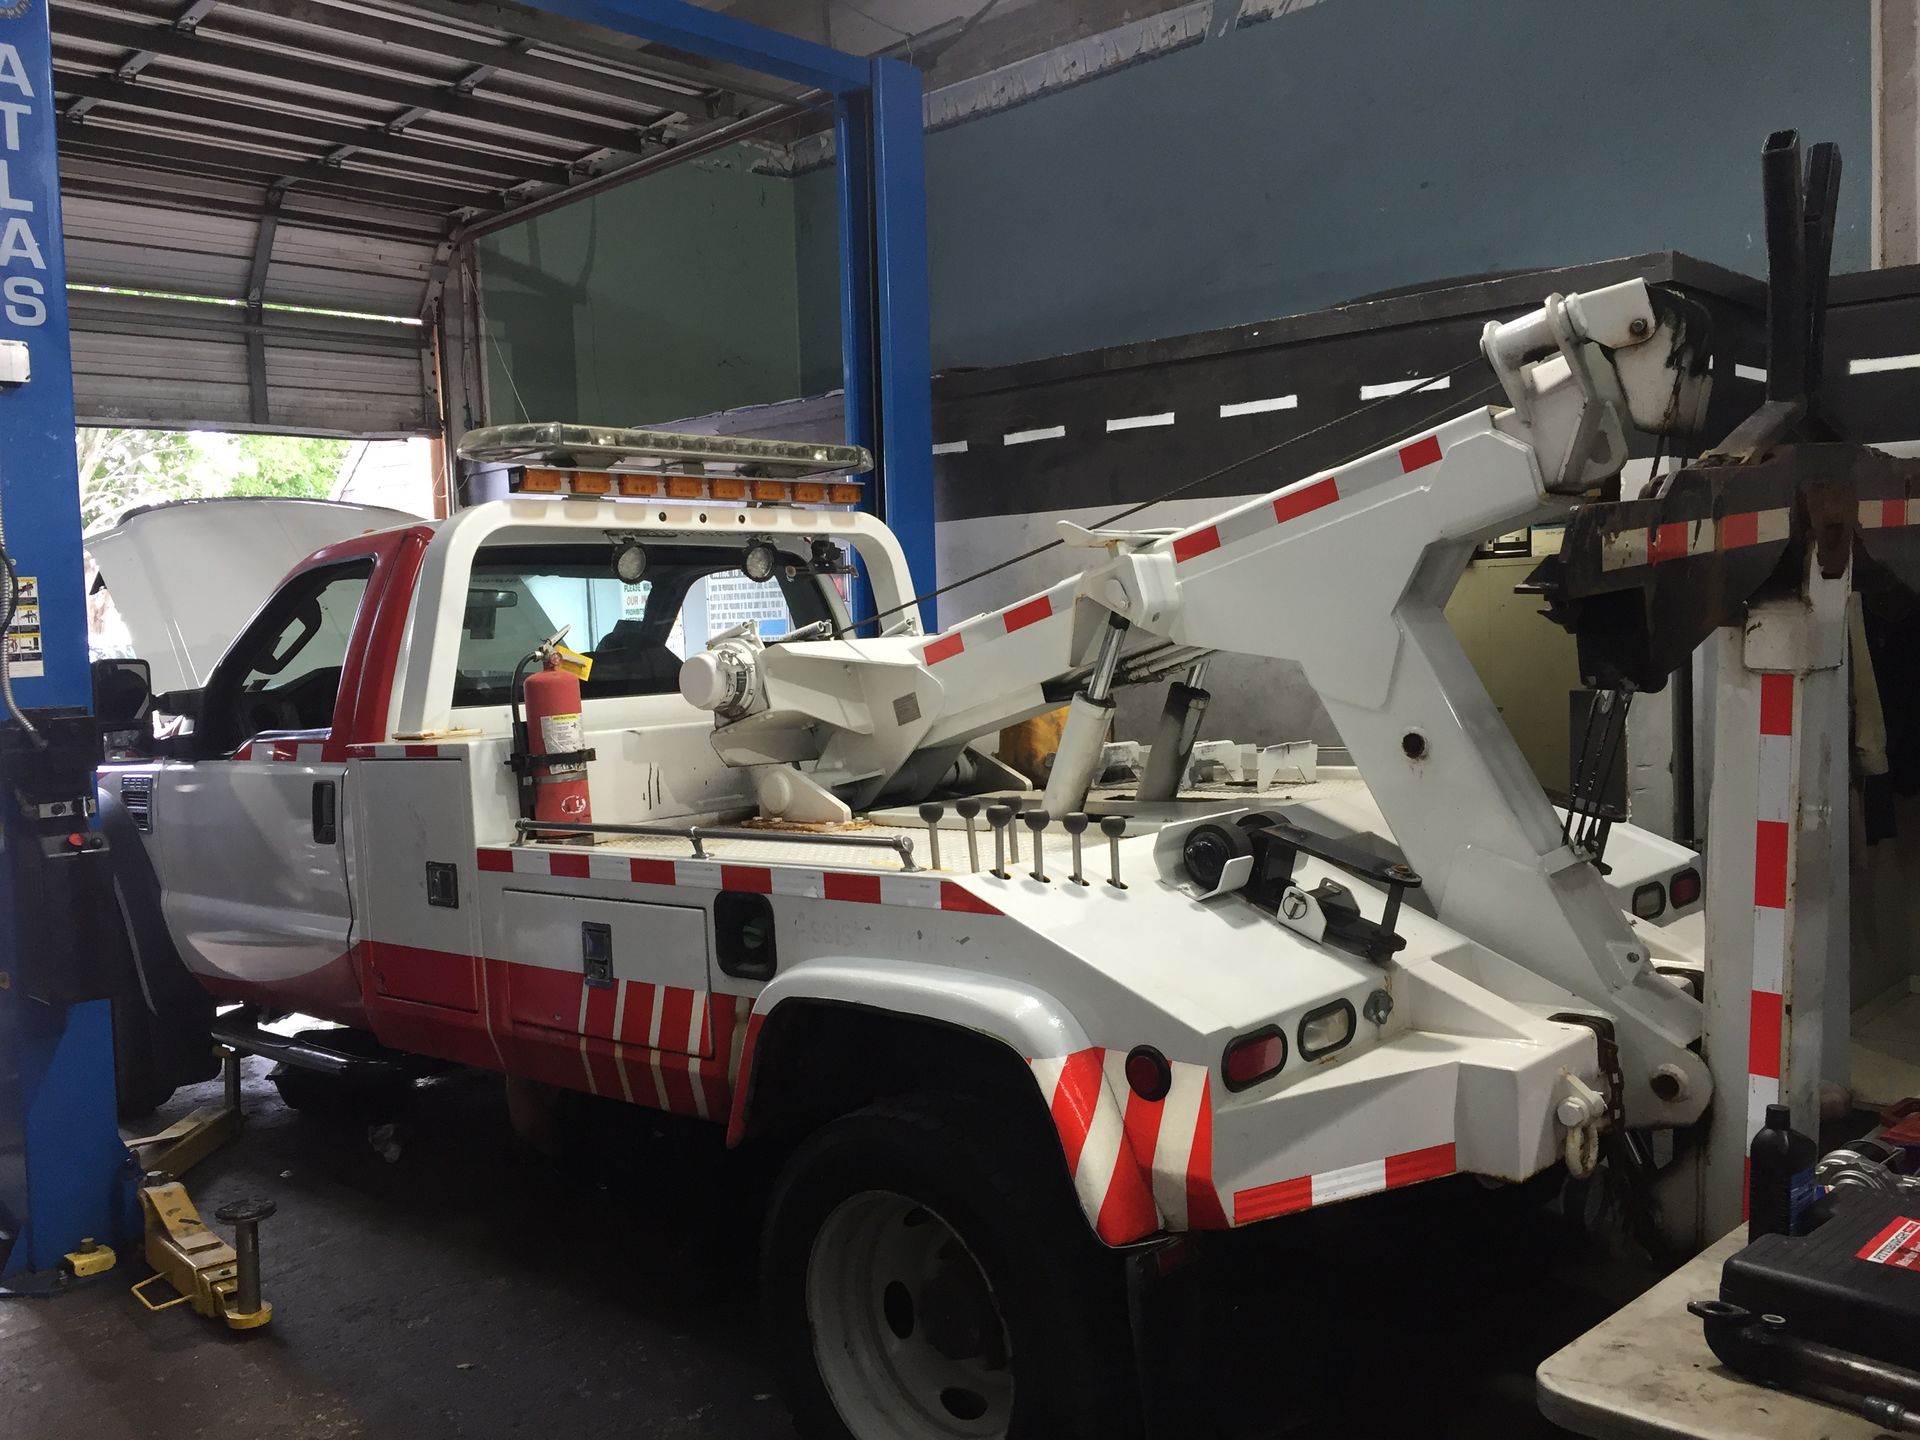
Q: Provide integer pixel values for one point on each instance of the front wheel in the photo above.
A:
(926, 1278)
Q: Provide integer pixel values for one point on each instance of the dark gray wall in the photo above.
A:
(1361, 145)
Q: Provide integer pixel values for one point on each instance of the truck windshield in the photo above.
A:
(637, 634)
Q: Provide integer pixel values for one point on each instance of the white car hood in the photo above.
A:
(186, 577)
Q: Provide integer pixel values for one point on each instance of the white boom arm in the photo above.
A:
(1348, 574)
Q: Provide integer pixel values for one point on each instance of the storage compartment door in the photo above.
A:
(609, 969)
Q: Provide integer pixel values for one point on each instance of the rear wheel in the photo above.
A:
(927, 1279)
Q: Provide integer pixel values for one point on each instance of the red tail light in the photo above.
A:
(1684, 888)
(1148, 1073)
(1252, 1058)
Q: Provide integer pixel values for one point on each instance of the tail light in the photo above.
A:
(1252, 1058)
(1148, 1073)
(1325, 1030)
(1650, 900)
(1684, 887)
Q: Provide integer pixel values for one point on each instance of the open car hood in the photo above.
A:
(187, 576)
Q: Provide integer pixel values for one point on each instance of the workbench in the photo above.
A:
(1647, 1374)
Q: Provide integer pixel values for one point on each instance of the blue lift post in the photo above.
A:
(880, 145)
(64, 1174)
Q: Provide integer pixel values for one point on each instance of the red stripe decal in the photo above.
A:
(1739, 531)
(285, 750)
(1185, 547)
(1283, 1197)
(1893, 512)
(1419, 453)
(756, 878)
(1306, 499)
(1074, 1100)
(1770, 864)
(1667, 542)
(423, 752)
(953, 897)
(1030, 612)
(721, 1010)
(1428, 1164)
(1128, 1211)
(1763, 1031)
(742, 1085)
(1776, 704)
(945, 648)
(499, 861)
(572, 867)
(636, 1021)
(862, 888)
(1203, 1199)
(652, 872)
(675, 1075)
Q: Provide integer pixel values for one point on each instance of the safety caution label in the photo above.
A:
(1898, 1244)
(24, 658)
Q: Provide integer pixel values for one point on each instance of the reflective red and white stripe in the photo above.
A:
(674, 1049)
(1283, 1197)
(969, 636)
(286, 751)
(1888, 514)
(393, 752)
(1773, 848)
(1138, 1165)
(1303, 499)
(873, 887)
(1680, 539)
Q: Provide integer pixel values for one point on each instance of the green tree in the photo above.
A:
(295, 465)
(120, 469)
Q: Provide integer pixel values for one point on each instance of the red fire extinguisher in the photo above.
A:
(553, 729)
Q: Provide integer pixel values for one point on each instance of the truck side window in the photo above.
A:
(284, 671)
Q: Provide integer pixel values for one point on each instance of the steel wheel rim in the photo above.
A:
(907, 1334)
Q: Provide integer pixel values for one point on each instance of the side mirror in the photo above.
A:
(122, 692)
(122, 703)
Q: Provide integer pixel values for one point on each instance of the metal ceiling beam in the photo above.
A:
(716, 139)
(322, 74)
(259, 398)
(721, 37)
(629, 87)
(257, 114)
(138, 147)
(590, 42)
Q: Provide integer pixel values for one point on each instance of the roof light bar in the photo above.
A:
(604, 484)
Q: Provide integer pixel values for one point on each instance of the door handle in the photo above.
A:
(326, 824)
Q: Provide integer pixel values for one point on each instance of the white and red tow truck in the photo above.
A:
(989, 1026)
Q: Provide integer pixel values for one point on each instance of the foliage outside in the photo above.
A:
(122, 469)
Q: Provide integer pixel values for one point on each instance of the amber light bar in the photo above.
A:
(595, 484)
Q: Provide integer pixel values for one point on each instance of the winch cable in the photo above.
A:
(1461, 404)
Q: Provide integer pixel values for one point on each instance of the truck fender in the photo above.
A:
(1102, 1127)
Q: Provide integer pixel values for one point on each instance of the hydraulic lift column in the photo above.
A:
(1776, 871)
(64, 1175)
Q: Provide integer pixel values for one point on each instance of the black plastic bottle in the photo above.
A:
(1780, 1177)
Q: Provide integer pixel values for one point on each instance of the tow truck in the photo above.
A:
(997, 1032)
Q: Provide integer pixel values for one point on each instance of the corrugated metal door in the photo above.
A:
(352, 360)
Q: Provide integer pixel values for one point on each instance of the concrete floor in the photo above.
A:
(468, 1288)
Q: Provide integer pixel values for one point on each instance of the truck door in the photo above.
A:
(251, 835)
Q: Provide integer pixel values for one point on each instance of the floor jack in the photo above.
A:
(219, 1280)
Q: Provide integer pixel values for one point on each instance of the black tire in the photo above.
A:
(338, 1097)
(1006, 1197)
(139, 1088)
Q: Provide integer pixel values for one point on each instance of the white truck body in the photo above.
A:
(353, 853)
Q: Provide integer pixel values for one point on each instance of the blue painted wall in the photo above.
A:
(1362, 145)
